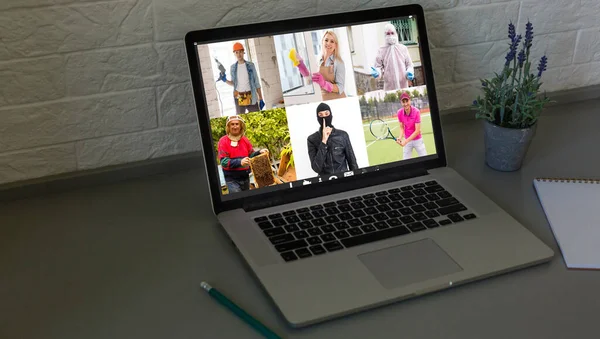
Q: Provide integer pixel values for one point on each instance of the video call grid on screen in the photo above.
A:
(279, 94)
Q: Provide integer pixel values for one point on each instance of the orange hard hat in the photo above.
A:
(238, 47)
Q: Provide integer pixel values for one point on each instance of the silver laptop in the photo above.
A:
(326, 164)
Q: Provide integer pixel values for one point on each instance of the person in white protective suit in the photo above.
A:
(393, 62)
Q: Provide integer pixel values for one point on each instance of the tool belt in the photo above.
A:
(243, 98)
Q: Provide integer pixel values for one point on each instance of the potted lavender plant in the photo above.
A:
(511, 104)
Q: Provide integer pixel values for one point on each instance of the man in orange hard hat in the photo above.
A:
(246, 84)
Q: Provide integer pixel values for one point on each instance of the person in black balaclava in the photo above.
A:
(329, 149)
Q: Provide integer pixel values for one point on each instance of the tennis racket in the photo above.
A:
(380, 130)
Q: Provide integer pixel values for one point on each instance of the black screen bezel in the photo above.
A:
(274, 197)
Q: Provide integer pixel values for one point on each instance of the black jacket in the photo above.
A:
(335, 157)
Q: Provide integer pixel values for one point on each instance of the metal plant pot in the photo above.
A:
(505, 148)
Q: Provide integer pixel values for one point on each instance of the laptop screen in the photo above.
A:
(306, 107)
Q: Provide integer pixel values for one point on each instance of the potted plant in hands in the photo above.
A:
(511, 104)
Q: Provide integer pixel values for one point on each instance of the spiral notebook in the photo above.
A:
(572, 207)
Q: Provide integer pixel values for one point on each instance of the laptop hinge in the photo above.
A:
(381, 178)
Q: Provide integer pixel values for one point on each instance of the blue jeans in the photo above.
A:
(237, 185)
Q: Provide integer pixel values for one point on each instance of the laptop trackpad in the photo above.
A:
(409, 263)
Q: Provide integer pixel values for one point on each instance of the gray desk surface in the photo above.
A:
(125, 260)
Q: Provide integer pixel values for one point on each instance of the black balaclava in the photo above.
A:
(324, 107)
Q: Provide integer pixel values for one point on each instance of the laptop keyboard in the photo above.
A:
(333, 226)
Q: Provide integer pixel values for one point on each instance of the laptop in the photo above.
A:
(325, 159)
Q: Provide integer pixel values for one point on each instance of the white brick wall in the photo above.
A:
(92, 83)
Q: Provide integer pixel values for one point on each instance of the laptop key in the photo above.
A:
(289, 213)
(328, 229)
(430, 183)
(342, 201)
(432, 214)
(302, 210)
(444, 194)
(301, 234)
(408, 202)
(407, 194)
(446, 202)
(407, 219)
(420, 200)
(455, 217)
(445, 222)
(354, 222)
(332, 219)
(275, 216)
(292, 219)
(430, 206)
(305, 225)
(289, 256)
(406, 188)
(394, 190)
(358, 205)
(393, 214)
(368, 196)
(319, 222)
(383, 200)
(333, 246)
(280, 239)
(345, 208)
(314, 231)
(327, 237)
(383, 208)
(358, 213)
(355, 199)
(420, 192)
(329, 204)
(291, 245)
(433, 189)
(375, 236)
(354, 232)
(419, 216)
(319, 213)
(380, 225)
(396, 205)
(370, 202)
(314, 240)
(469, 216)
(317, 250)
(367, 220)
(370, 210)
(432, 197)
(430, 223)
(368, 228)
(416, 226)
(264, 225)
(341, 225)
(380, 217)
(419, 208)
(306, 216)
(406, 211)
(382, 193)
(452, 209)
(260, 219)
(419, 185)
(278, 222)
(341, 234)
(394, 222)
(345, 216)
(332, 210)
(395, 197)
(316, 207)
(303, 253)
(292, 228)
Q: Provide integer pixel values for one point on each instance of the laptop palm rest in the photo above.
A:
(409, 263)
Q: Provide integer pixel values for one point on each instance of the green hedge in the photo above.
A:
(265, 129)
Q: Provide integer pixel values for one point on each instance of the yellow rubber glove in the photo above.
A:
(294, 57)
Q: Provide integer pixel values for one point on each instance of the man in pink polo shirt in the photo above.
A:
(410, 128)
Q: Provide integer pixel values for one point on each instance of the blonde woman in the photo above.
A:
(332, 72)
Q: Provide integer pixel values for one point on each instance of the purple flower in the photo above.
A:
(474, 102)
(528, 34)
(484, 84)
(521, 58)
(511, 31)
(513, 50)
(542, 65)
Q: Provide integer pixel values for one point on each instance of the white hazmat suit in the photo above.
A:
(393, 62)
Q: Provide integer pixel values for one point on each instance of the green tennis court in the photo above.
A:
(384, 151)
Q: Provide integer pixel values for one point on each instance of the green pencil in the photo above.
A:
(223, 300)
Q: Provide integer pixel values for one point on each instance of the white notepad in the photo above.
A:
(572, 207)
